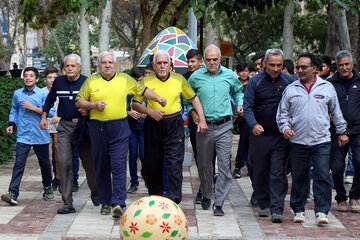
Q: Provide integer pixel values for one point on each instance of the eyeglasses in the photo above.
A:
(303, 67)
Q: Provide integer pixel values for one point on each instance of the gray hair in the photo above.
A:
(161, 52)
(342, 54)
(73, 56)
(212, 46)
(273, 51)
(103, 54)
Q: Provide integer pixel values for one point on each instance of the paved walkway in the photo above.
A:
(34, 218)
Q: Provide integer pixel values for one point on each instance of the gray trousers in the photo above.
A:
(65, 131)
(218, 137)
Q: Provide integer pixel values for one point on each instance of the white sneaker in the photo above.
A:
(321, 218)
(299, 217)
(349, 179)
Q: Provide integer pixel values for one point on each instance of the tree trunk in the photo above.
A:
(39, 36)
(288, 30)
(212, 34)
(58, 46)
(45, 31)
(145, 12)
(84, 43)
(353, 24)
(104, 34)
(25, 47)
(332, 32)
(12, 15)
(343, 29)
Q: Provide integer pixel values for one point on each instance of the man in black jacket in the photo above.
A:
(347, 85)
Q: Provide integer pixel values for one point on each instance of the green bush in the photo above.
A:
(8, 86)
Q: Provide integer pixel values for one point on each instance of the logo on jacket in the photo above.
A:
(318, 96)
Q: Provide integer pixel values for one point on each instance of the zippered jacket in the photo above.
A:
(307, 114)
(262, 97)
(349, 102)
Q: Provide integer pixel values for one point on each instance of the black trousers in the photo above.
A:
(164, 138)
(269, 157)
(338, 155)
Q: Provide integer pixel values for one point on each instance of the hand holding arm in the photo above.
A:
(201, 126)
(343, 139)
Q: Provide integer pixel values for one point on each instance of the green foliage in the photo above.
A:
(310, 32)
(67, 32)
(8, 86)
(38, 15)
(217, 8)
(347, 5)
(252, 31)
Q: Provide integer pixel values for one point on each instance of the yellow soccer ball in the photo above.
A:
(154, 217)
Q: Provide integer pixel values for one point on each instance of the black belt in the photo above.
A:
(74, 120)
(218, 122)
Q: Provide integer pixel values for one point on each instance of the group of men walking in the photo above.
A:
(288, 120)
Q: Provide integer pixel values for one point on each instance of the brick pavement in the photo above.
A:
(35, 218)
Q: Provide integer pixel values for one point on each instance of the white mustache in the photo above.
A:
(345, 70)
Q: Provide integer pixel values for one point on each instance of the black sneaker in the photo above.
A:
(66, 210)
(236, 173)
(205, 203)
(95, 198)
(9, 198)
(105, 209)
(75, 186)
(132, 188)
(55, 184)
(276, 218)
(218, 211)
(263, 212)
(198, 198)
(253, 201)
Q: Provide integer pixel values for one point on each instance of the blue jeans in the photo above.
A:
(350, 167)
(299, 157)
(136, 148)
(22, 152)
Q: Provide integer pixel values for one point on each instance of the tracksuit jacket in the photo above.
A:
(349, 102)
(307, 114)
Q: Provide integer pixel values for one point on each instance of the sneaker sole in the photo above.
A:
(299, 221)
(219, 214)
(323, 222)
(8, 200)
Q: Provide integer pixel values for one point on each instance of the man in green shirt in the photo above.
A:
(213, 85)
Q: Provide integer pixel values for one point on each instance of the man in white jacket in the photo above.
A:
(303, 117)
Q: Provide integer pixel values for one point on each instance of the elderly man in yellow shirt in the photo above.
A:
(164, 136)
(104, 94)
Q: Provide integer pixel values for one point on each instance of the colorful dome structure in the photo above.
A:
(172, 40)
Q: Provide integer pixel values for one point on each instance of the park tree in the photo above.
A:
(10, 10)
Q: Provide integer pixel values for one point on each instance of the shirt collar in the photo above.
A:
(220, 70)
(164, 79)
(25, 90)
(107, 79)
